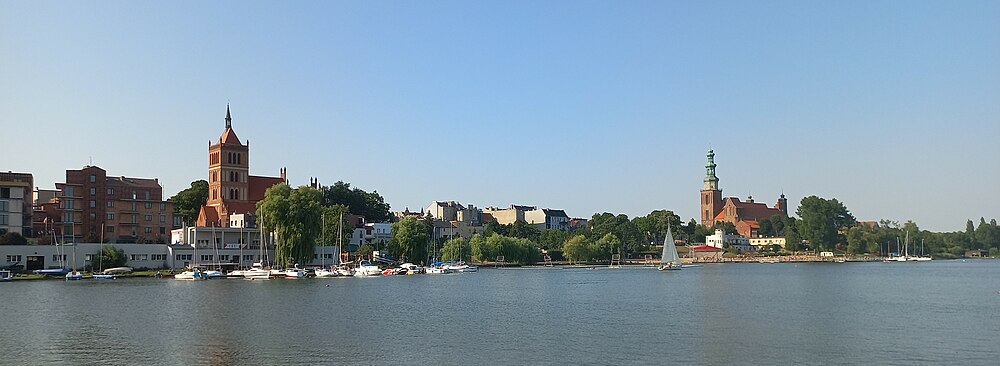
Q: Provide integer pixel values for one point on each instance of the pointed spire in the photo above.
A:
(229, 117)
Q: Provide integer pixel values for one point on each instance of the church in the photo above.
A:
(231, 188)
(744, 214)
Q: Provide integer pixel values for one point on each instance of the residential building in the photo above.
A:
(547, 219)
(231, 188)
(743, 214)
(15, 203)
(509, 215)
(762, 243)
(91, 203)
(455, 211)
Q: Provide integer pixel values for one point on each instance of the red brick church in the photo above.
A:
(231, 188)
(744, 214)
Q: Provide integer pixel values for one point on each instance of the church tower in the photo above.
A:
(711, 195)
(228, 174)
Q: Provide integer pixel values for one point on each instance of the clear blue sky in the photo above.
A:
(893, 107)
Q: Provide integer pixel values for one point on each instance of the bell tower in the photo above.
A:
(711, 195)
(228, 169)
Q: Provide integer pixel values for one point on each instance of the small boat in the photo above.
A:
(366, 269)
(74, 276)
(669, 260)
(117, 270)
(411, 268)
(192, 275)
(460, 267)
(257, 273)
(6, 276)
(98, 276)
(438, 268)
(51, 271)
(344, 271)
(295, 273)
(326, 273)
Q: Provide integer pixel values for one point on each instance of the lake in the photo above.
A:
(942, 312)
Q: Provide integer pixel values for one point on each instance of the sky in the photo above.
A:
(891, 107)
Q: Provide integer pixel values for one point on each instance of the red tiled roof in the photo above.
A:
(752, 210)
(706, 248)
(229, 137)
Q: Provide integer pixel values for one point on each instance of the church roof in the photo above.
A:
(751, 210)
(229, 137)
(258, 185)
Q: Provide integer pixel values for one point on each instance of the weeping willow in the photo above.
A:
(292, 216)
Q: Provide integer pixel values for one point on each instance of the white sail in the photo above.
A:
(670, 250)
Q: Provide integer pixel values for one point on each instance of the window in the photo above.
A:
(5, 192)
(138, 257)
(163, 230)
(58, 257)
(93, 216)
(157, 257)
(147, 197)
(148, 217)
(206, 257)
(149, 205)
(13, 259)
(111, 191)
(183, 257)
(68, 217)
(248, 257)
(67, 191)
(163, 219)
(111, 229)
(93, 203)
(148, 230)
(111, 215)
(111, 203)
(223, 257)
(163, 206)
(93, 191)
(4, 206)
(69, 203)
(93, 178)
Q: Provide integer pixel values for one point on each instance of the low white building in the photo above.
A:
(762, 243)
(723, 240)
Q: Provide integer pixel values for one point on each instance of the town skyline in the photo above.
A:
(893, 115)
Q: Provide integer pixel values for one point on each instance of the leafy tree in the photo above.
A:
(478, 246)
(653, 227)
(409, 239)
(606, 246)
(110, 257)
(577, 249)
(13, 238)
(620, 225)
(456, 249)
(726, 227)
(293, 216)
(987, 235)
(521, 229)
(495, 227)
(329, 218)
(188, 202)
(370, 205)
(554, 239)
(364, 251)
(688, 231)
(821, 219)
(766, 228)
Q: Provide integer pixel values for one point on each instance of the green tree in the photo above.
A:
(554, 239)
(479, 249)
(329, 218)
(364, 251)
(821, 220)
(456, 249)
(607, 246)
(987, 235)
(13, 238)
(370, 205)
(766, 228)
(188, 202)
(409, 239)
(620, 225)
(109, 257)
(725, 226)
(524, 230)
(653, 227)
(293, 216)
(577, 249)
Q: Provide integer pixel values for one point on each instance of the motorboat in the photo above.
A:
(344, 271)
(295, 273)
(257, 273)
(326, 273)
(366, 269)
(438, 269)
(51, 271)
(460, 267)
(99, 276)
(192, 275)
(411, 268)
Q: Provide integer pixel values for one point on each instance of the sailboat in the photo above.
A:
(257, 271)
(923, 257)
(74, 274)
(195, 273)
(669, 260)
(99, 275)
(324, 272)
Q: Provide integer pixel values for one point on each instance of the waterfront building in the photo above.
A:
(231, 188)
(455, 211)
(15, 203)
(127, 209)
(763, 243)
(722, 240)
(745, 215)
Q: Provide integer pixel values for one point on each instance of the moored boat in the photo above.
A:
(6, 276)
(366, 269)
